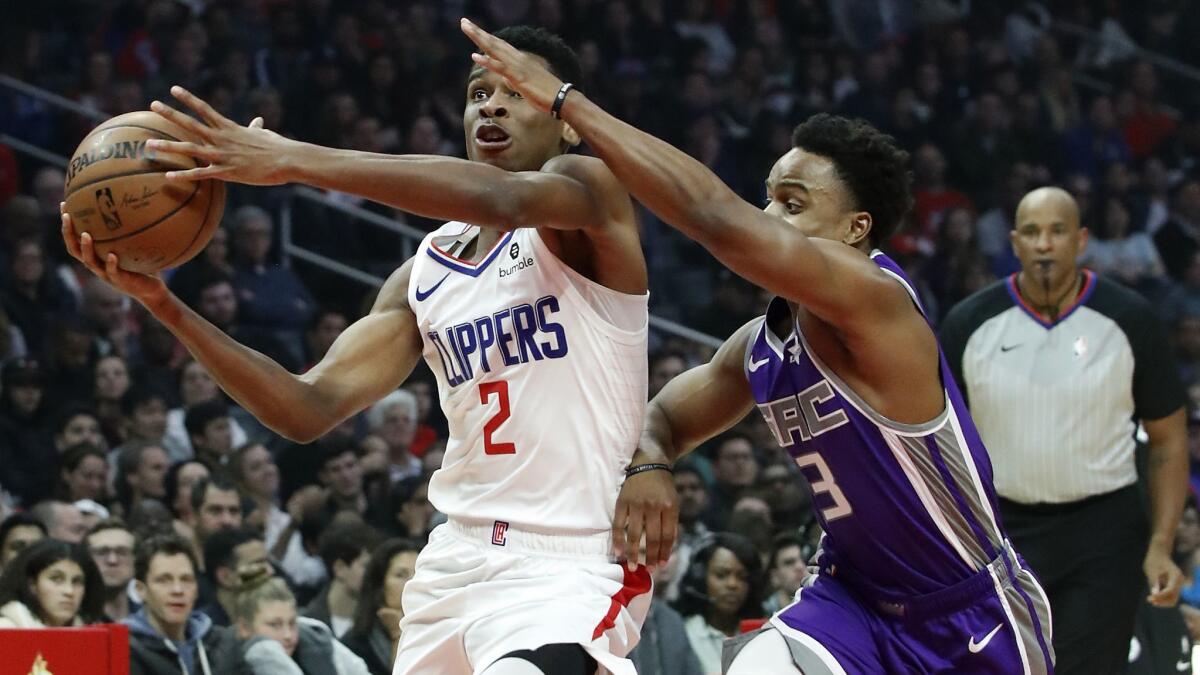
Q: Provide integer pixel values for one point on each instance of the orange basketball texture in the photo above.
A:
(123, 200)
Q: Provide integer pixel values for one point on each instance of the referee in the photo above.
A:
(1059, 366)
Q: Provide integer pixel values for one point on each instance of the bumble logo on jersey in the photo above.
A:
(519, 334)
(514, 252)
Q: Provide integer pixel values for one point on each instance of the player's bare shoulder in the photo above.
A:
(393, 295)
(872, 285)
(610, 197)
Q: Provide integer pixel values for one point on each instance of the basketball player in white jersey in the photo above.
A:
(530, 306)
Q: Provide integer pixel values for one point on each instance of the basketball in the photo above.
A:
(121, 197)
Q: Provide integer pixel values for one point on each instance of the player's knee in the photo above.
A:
(555, 659)
(767, 653)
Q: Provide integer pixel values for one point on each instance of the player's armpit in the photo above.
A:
(369, 359)
(702, 402)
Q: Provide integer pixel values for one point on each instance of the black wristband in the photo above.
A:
(640, 468)
(558, 100)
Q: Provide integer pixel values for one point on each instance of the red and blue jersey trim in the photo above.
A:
(465, 266)
(1089, 285)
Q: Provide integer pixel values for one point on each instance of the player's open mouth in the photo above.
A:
(492, 138)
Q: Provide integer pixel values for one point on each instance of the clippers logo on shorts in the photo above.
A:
(512, 336)
(500, 533)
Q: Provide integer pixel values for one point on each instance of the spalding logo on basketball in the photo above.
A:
(118, 195)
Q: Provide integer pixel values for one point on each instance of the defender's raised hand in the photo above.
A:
(240, 154)
(525, 74)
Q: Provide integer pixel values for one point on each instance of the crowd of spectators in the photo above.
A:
(115, 442)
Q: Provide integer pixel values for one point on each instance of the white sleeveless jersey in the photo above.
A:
(543, 393)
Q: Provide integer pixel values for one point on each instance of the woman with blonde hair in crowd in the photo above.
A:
(51, 584)
(280, 642)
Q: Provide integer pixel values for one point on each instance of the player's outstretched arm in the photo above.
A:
(681, 191)
(568, 193)
(371, 358)
(692, 408)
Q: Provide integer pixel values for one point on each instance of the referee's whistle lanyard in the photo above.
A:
(1051, 311)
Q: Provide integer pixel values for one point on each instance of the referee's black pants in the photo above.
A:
(1088, 556)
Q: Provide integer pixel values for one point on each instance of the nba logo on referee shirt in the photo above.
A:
(499, 533)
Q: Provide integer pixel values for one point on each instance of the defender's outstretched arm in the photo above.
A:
(759, 246)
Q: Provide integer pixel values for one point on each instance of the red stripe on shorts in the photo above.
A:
(634, 584)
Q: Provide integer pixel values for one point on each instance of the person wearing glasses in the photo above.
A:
(111, 545)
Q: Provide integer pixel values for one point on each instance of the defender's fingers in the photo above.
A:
(203, 109)
(488, 42)
(485, 61)
(199, 173)
(620, 517)
(633, 535)
(186, 148)
(256, 123)
(653, 520)
(176, 117)
(479, 36)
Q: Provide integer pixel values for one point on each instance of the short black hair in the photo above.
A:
(346, 542)
(215, 481)
(140, 395)
(70, 412)
(871, 163)
(782, 542)
(218, 549)
(563, 60)
(73, 455)
(328, 448)
(20, 519)
(198, 417)
(165, 544)
(733, 435)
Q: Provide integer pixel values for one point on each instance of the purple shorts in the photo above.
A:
(996, 622)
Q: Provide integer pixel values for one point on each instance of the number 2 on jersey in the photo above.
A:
(499, 388)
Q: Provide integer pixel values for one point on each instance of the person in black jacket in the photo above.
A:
(376, 628)
(166, 636)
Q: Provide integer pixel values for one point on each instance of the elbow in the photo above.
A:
(300, 434)
(301, 420)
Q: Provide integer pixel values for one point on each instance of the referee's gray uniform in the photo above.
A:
(1057, 405)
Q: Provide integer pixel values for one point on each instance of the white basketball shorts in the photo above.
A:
(482, 590)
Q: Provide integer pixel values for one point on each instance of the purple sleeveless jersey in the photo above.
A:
(910, 507)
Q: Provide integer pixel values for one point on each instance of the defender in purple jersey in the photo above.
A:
(917, 575)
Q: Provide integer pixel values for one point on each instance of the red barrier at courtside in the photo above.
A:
(92, 650)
